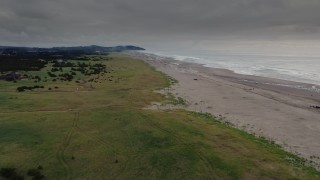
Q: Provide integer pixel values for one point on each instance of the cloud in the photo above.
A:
(147, 22)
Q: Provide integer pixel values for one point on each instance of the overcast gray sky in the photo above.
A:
(160, 23)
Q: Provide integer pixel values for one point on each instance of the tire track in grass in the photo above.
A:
(135, 155)
(96, 138)
(60, 154)
(132, 156)
(114, 154)
(99, 140)
(200, 155)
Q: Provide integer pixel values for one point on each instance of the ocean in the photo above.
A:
(304, 69)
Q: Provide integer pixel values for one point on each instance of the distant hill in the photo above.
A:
(83, 49)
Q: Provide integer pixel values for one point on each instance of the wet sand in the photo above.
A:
(276, 109)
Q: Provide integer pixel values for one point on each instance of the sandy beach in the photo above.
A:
(282, 111)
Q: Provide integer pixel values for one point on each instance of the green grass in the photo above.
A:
(179, 101)
(101, 131)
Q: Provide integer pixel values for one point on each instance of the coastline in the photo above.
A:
(279, 110)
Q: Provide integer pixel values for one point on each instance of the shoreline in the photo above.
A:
(280, 110)
(196, 60)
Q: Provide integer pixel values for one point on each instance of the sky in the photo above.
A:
(163, 24)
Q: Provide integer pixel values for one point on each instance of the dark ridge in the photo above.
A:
(12, 50)
(14, 59)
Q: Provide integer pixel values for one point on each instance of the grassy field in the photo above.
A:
(100, 130)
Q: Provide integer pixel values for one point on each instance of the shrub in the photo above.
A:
(51, 74)
(35, 174)
(30, 88)
(10, 173)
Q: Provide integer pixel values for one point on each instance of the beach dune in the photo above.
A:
(282, 111)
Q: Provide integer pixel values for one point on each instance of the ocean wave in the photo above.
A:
(293, 68)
